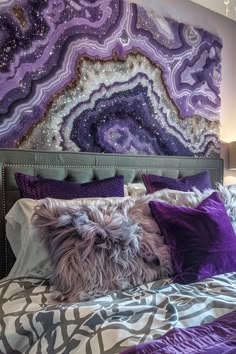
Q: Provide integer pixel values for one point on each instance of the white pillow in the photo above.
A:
(135, 190)
(31, 256)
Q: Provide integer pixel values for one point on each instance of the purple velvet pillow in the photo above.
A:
(155, 183)
(201, 239)
(39, 188)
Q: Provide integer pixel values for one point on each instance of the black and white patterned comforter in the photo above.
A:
(30, 322)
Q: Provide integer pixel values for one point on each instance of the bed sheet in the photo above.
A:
(31, 322)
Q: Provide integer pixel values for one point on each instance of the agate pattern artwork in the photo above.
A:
(106, 76)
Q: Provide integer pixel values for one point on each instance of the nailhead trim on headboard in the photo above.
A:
(4, 213)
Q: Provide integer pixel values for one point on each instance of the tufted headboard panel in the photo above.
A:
(84, 167)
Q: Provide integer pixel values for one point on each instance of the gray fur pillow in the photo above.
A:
(97, 248)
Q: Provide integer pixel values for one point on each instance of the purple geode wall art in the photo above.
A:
(106, 76)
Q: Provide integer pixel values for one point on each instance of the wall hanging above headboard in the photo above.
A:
(106, 76)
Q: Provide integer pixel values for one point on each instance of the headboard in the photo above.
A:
(84, 167)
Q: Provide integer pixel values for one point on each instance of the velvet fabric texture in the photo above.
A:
(201, 239)
(39, 188)
(200, 181)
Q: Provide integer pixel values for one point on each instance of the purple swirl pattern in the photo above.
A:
(107, 76)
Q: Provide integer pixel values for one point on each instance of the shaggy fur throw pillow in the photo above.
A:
(99, 248)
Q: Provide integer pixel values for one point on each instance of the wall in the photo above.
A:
(194, 14)
(218, 6)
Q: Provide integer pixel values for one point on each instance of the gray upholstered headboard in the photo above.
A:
(84, 167)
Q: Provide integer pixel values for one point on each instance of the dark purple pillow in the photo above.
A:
(155, 183)
(201, 239)
(39, 188)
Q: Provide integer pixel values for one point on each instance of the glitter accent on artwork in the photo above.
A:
(107, 76)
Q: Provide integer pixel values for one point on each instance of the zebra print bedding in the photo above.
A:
(30, 322)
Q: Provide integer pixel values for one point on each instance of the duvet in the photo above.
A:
(30, 322)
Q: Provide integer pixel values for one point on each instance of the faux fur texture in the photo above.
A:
(100, 247)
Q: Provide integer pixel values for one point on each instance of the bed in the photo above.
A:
(31, 321)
